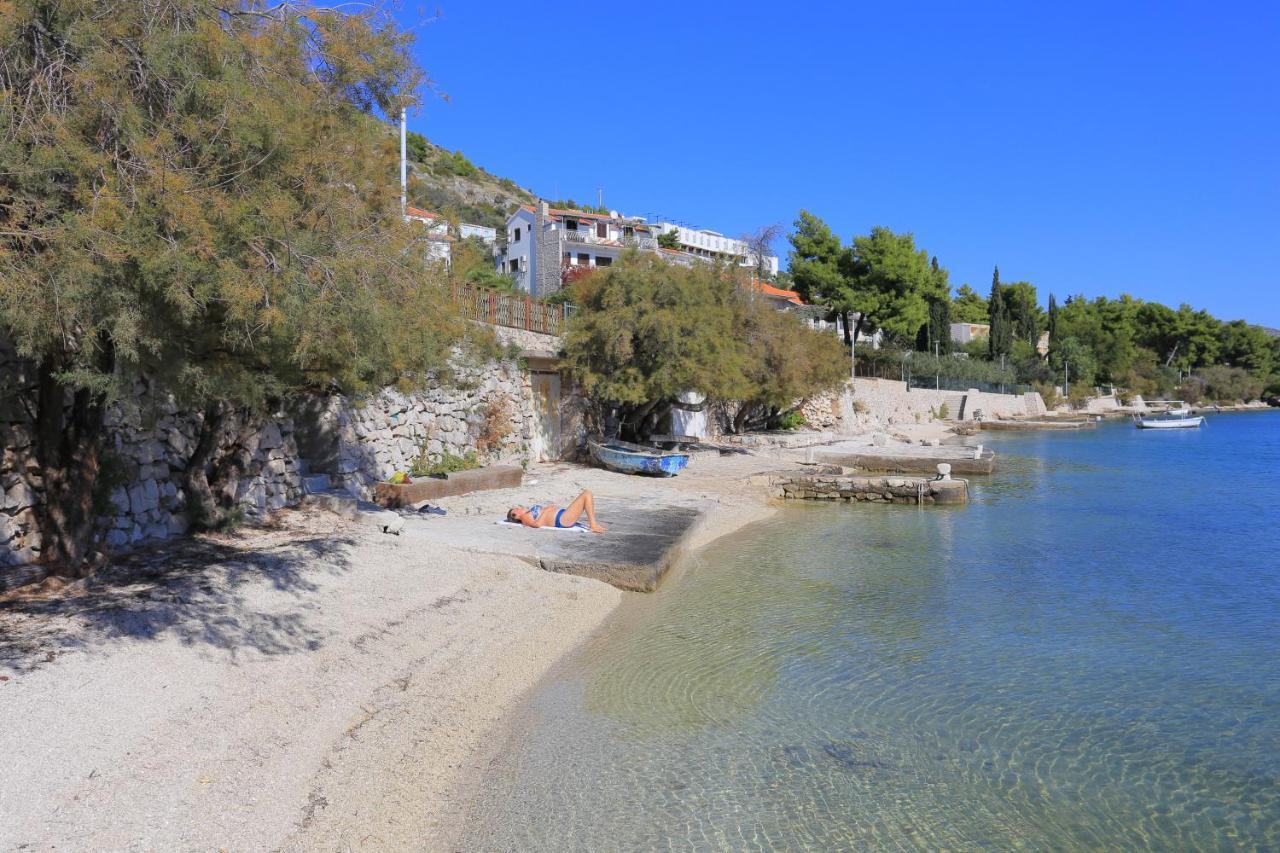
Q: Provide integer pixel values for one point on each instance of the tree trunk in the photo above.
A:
(68, 448)
(203, 509)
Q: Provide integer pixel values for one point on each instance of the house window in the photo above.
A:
(602, 230)
(517, 240)
(568, 258)
(571, 225)
(603, 262)
(515, 265)
(584, 260)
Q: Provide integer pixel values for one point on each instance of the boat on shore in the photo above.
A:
(627, 458)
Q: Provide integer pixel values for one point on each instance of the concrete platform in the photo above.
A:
(911, 460)
(643, 542)
(1034, 425)
(396, 495)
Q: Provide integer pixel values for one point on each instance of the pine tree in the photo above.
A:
(996, 317)
(1053, 320)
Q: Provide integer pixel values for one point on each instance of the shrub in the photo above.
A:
(944, 412)
(445, 463)
(791, 420)
(495, 427)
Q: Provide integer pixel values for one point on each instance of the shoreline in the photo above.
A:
(312, 684)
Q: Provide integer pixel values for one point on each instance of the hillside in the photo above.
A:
(447, 182)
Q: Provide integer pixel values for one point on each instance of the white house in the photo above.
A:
(488, 235)
(712, 245)
(436, 233)
(543, 241)
(963, 333)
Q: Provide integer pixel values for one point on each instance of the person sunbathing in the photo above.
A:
(549, 515)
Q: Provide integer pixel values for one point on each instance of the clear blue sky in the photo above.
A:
(1093, 148)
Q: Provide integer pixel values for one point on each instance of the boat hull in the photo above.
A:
(1180, 423)
(632, 459)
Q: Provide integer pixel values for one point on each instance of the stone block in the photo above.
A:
(19, 495)
(269, 437)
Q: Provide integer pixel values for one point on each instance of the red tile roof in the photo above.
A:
(415, 211)
(777, 292)
(576, 214)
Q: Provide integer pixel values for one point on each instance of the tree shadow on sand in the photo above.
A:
(198, 591)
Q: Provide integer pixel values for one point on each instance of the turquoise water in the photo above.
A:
(1085, 657)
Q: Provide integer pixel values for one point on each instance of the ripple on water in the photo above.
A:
(1078, 660)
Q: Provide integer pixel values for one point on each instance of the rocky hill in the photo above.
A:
(446, 182)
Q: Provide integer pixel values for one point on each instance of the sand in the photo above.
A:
(320, 685)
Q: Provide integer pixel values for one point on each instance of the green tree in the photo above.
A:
(891, 282)
(817, 261)
(647, 330)
(1000, 338)
(968, 306)
(416, 147)
(200, 194)
(1073, 362)
(669, 240)
(786, 363)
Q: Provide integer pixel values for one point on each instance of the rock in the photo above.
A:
(18, 495)
(269, 437)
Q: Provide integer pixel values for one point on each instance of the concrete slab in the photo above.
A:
(644, 540)
(911, 459)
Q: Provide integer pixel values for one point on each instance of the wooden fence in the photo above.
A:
(513, 311)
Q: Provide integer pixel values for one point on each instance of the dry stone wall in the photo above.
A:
(151, 440)
(489, 413)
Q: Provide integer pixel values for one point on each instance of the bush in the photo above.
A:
(944, 412)
(791, 420)
(446, 463)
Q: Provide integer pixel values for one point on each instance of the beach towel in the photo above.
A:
(579, 527)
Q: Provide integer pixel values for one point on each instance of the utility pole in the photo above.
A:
(600, 197)
(853, 345)
(404, 165)
(937, 368)
(1066, 377)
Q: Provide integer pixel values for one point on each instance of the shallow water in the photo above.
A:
(1087, 656)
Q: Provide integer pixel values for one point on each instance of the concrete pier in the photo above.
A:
(911, 460)
(1036, 425)
(808, 485)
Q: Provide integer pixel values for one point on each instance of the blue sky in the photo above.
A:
(1088, 148)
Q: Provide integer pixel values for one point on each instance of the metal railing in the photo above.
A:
(581, 237)
(512, 310)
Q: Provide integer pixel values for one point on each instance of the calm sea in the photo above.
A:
(1085, 657)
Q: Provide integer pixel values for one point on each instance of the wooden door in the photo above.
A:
(546, 406)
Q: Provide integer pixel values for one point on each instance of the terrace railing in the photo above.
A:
(512, 310)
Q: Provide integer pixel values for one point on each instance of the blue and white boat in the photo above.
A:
(627, 458)
(1173, 418)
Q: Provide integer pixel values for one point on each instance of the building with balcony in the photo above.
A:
(714, 246)
(543, 242)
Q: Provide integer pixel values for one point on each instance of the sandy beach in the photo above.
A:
(314, 685)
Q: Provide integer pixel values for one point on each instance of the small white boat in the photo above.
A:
(1179, 418)
(1168, 423)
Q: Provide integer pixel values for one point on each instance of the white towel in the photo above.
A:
(548, 527)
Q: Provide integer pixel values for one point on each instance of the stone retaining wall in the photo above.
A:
(150, 441)
(490, 413)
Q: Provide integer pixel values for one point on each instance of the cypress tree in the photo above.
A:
(996, 317)
(1053, 321)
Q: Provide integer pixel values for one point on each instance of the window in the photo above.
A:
(515, 265)
(603, 262)
(602, 230)
(584, 260)
(517, 239)
(571, 225)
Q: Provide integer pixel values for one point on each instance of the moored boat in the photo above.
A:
(1179, 418)
(627, 458)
